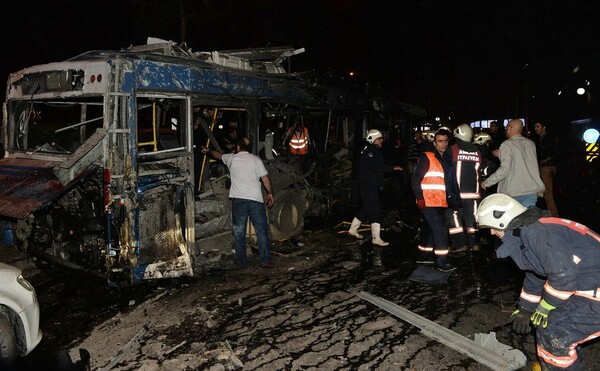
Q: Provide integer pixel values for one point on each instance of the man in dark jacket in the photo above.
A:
(436, 190)
(560, 294)
(370, 183)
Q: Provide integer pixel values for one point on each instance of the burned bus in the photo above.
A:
(101, 168)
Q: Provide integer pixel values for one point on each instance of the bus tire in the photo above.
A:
(286, 216)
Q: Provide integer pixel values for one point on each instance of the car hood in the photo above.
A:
(8, 273)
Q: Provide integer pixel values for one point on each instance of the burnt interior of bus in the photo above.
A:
(55, 126)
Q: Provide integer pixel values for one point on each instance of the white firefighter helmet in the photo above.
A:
(497, 210)
(428, 135)
(463, 132)
(482, 138)
(372, 135)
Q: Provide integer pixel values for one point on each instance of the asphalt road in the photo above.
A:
(299, 315)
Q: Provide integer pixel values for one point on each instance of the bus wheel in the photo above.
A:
(287, 214)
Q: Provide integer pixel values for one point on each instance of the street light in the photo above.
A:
(591, 136)
(580, 91)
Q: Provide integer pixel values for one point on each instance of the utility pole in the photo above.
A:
(182, 22)
(183, 18)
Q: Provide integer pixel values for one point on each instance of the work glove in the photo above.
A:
(421, 204)
(540, 316)
(520, 321)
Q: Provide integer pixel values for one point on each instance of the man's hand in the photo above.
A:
(266, 181)
(496, 153)
(520, 321)
(421, 204)
(270, 200)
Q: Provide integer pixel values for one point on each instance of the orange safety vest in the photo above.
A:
(299, 144)
(433, 184)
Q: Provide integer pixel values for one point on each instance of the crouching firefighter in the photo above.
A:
(561, 291)
(370, 182)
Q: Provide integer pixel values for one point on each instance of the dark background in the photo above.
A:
(465, 59)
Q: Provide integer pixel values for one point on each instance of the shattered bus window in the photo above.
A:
(55, 126)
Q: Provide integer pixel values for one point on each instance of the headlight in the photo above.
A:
(23, 282)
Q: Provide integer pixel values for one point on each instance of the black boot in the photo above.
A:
(442, 265)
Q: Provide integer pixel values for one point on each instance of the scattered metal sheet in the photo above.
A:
(489, 341)
(488, 353)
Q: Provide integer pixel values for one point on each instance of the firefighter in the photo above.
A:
(489, 162)
(428, 135)
(467, 162)
(370, 183)
(489, 165)
(435, 187)
(561, 291)
(482, 138)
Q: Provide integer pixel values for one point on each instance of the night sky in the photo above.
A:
(472, 60)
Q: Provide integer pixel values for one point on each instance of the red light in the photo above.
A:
(92, 79)
(351, 73)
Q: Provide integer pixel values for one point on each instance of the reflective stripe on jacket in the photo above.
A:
(299, 143)
(561, 259)
(467, 160)
(433, 184)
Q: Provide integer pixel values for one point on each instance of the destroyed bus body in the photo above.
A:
(99, 163)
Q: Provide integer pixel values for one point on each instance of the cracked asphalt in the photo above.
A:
(297, 316)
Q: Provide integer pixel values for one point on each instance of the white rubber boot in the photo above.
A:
(353, 231)
(376, 230)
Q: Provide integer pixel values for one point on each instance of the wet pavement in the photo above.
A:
(299, 315)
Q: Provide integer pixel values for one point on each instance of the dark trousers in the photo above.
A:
(462, 224)
(568, 326)
(438, 238)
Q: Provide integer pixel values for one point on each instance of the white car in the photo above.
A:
(19, 316)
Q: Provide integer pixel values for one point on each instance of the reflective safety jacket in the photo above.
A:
(561, 258)
(467, 161)
(434, 180)
(299, 142)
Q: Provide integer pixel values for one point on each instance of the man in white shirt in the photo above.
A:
(248, 176)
